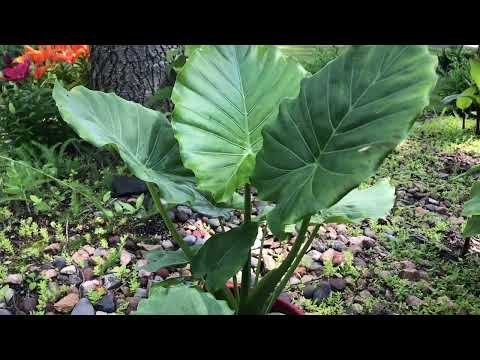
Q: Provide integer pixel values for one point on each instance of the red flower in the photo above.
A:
(18, 72)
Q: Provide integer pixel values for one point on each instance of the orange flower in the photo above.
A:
(40, 70)
(51, 54)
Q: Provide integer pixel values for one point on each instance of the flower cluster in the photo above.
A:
(43, 59)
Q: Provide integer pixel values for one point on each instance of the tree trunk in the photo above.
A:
(133, 72)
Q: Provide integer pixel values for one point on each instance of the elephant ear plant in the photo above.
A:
(249, 116)
(469, 99)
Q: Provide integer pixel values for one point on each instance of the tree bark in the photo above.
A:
(133, 72)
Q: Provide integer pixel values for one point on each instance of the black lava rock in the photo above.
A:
(59, 262)
(308, 291)
(107, 304)
(126, 185)
(322, 292)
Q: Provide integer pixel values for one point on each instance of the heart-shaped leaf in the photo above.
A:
(224, 254)
(347, 118)
(223, 97)
(374, 202)
(472, 206)
(472, 209)
(160, 259)
(143, 137)
(464, 100)
(181, 300)
(204, 204)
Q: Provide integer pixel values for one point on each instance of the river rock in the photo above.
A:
(67, 303)
(83, 307)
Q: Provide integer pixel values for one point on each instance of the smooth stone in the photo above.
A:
(74, 280)
(201, 241)
(410, 274)
(52, 248)
(49, 273)
(412, 300)
(357, 309)
(89, 285)
(125, 258)
(59, 262)
(127, 185)
(14, 279)
(214, 222)
(190, 239)
(308, 291)
(131, 245)
(141, 293)
(167, 244)
(5, 312)
(111, 281)
(268, 262)
(28, 304)
(87, 274)
(315, 255)
(338, 284)
(83, 307)
(338, 245)
(69, 270)
(67, 303)
(183, 213)
(316, 266)
(107, 304)
(294, 281)
(369, 233)
(321, 292)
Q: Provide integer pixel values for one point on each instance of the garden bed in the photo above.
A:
(405, 264)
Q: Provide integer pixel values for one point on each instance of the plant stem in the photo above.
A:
(166, 219)
(246, 268)
(178, 238)
(298, 251)
(235, 289)
(466, 247)
(259, 264)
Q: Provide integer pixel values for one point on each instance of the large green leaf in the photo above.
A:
(463, 100)
(472, 206)
(181, 300)
(300, 52)
(345, 121)
(160, 258)
(475, 71)
(374, 202)
(472, 227)
(143, 137)
(204, 204)
(223, 97)
(189, 49)
(224, 254)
